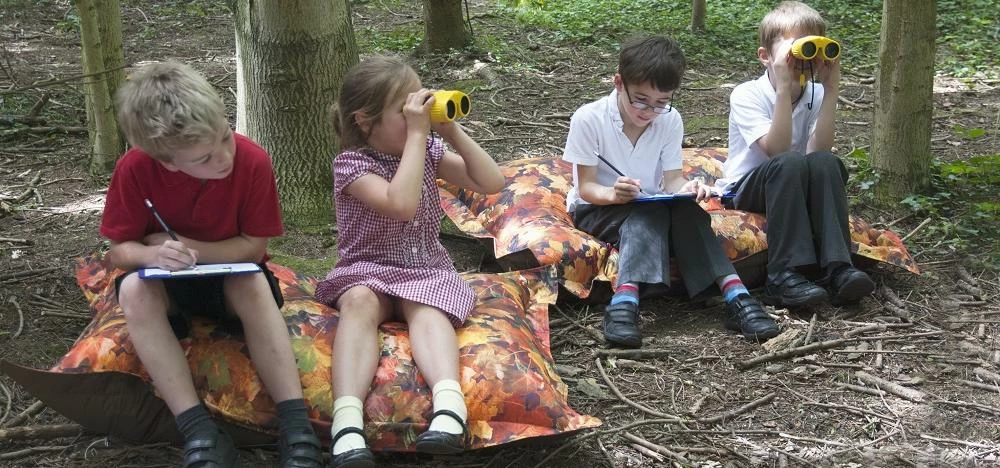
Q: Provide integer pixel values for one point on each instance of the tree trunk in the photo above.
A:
(291, 58)
(698, 15)
(103, 61)
(901, 141)
(444, 26)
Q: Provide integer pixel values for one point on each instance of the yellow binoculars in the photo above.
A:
(450, 105)
(806, 48)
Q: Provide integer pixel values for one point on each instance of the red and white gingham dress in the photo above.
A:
(397, 258)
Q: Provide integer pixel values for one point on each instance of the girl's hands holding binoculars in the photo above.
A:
(417, 111)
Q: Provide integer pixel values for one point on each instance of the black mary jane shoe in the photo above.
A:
(300, 450)
(744, 314)
(211, 451)
(791, 289)
(354, 458)
(621, 325)
(848, 285)
(441, 442)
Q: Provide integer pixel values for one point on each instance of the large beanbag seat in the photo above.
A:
(527, 225)
(507, 371)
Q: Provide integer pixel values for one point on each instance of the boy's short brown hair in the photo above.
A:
(166, 106)
(789, 17)
(657, 60)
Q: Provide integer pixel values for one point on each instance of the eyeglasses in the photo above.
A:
(643, 106)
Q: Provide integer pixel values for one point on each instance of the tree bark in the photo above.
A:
(698, 15)
(444, 26)
(103, 59)
(901, 139)
(291, 58)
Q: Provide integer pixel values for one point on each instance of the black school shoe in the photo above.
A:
(744, 314)
(211, 450)
(791, 289)
(848, 285)
(300, 450)
(621, 325)
(354, 458)
(441, 442)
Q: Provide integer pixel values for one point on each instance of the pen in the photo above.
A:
(613, 168)
(156, 215)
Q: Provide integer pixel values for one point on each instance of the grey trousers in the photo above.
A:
(647, 233)
(805, 204)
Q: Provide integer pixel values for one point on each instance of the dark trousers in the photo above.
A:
(647, 233)
(805, 204)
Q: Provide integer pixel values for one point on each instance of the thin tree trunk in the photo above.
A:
(901, 142)
(444, 26)
(291, 59)
(105, 140)
(698, 15)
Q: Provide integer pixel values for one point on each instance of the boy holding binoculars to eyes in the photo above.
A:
(780, 164)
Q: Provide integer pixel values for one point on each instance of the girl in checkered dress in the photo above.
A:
(392, 265)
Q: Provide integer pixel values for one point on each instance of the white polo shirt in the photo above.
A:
(751, 108)
(597, 126)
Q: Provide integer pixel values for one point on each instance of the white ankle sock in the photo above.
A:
(448, 395)
(348, 411)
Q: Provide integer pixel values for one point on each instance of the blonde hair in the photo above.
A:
(166, 106)
(789, 17)
(367, 87)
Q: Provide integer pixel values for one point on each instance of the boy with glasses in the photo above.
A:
(626, 145)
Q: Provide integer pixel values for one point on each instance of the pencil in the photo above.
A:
(613, 168)
(156, 215)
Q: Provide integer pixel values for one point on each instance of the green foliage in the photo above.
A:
(967, 30)
(963, 208)
(401, 39)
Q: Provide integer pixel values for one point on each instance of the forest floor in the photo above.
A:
(803, 412)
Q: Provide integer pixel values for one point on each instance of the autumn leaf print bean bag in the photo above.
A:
(507, 372)
(527, 225)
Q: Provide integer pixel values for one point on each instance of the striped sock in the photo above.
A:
(626, 292)
(732, 287)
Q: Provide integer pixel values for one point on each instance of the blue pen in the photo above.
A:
(156, 215)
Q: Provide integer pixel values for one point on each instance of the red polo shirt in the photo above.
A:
(244, 202)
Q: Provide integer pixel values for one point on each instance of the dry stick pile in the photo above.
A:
(906, 324)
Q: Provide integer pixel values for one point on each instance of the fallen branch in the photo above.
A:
(980, 385)
(738, 411)
(890, 295)
(593, 333)
(626, 400)
(812, 439)
(798, 351)
(633, 353)
(655, 447)
(987, 375)
(958, 442)
(981, 407)
(57, 81)
(860, 389)
(643, 450)
(809, 331)
(895, 389)
(6, 411)
(31, 451)
(964, 274)
(20, 317)
(916, 229)
(53, 431)
(899, 312)
(976, 293)
(14, 240)
(28, 412)
(878, 355)
(26, 273)
(876, 351)
(43, 130)
(52, 313)
(850, 409)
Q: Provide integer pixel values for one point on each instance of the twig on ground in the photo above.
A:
(28, 273)
(6, 411)
(878, 354)
(645, 451)
(626, 400)
(860, 389)
(979, 406)
(898, 312)
(987, 375)
(812, 439)
(890, 295)
(655, 447)
(28, 412)
(849, 409)
(14, 240)
(54, 313)
(39, 105)
(809, 331)
(894, 388)
(593, 333)
(958, 442)
(633, 353)
(876, 351)
(43, 130)
(917, 229)
(980, 385)
(607, 455)
(52, 431)
(797, 351)
(20, 317)
(56, 81)
(738, 411)
(964, 274)
(14, 455)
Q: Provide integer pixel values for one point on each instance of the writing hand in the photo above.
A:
(174, 255)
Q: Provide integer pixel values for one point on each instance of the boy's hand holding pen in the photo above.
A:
(172, 254)
(625, 188)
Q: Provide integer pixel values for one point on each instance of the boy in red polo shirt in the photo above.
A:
(216, 190)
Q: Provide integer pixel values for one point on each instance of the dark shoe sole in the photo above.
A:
(439, 446)
(853, 291)
(623, 341)
(797, 302)
(754, 336)
(359, 459)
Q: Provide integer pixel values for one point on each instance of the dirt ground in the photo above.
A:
(799, 411)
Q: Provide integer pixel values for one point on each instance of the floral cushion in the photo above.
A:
(527, 225)
(507, 371)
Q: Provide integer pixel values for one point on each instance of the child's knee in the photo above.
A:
(141, 298)
(360, 306)
(245, 286)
